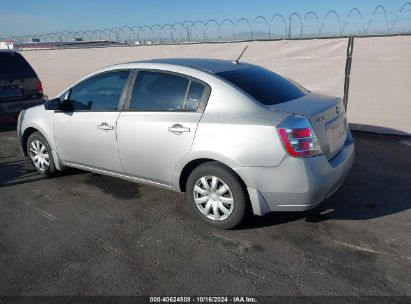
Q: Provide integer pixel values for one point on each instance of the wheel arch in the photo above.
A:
(26, 134)
(194, 163)
(183, 169)
(32, 128)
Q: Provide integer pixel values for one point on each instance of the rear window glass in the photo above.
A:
(13, 65)
(265, 86)
(195, 94)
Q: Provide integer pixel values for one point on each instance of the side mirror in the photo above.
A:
(53, 104)
(67, 106)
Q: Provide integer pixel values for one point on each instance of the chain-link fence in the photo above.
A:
(294, 26)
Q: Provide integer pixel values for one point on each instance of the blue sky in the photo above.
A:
(43, 16)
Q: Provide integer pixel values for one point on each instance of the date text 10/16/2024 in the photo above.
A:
(199, 299)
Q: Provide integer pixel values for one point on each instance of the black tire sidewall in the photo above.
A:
(52, 167)
(234, 183)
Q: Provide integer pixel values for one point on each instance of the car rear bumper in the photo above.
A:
(14, 107)
(298, 184)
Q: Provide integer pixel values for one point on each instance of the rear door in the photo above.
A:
(85, 128)
(158, 126)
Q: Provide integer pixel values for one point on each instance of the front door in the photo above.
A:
(85, 128)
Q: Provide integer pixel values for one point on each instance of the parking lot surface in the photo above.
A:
(88, 234)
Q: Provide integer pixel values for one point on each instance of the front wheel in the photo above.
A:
(40, 154)
(217, 195)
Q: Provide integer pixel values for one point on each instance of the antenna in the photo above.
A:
(239, 57)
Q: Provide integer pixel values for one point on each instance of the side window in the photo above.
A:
(99, 93)
(195, 95)
(156, 91)
(62, 97)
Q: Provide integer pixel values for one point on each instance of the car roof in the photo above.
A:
(8, 51)
(209, 65)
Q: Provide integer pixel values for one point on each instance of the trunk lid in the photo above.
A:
(327, 117)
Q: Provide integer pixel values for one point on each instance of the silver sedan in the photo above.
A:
(234, 136)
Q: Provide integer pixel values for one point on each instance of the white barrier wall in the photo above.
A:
(316, 64)
(319, 65)
(380, 88)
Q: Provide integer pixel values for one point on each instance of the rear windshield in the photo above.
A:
(13, 65)
(265, 86)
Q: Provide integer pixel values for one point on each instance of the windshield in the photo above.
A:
(263, 85)
(13, 65)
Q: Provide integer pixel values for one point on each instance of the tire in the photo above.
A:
(37, 145)
(208, 202)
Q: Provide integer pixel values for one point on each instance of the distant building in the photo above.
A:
(6, 45)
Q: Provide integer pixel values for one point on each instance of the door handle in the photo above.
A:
(105, 126)
(178, 129)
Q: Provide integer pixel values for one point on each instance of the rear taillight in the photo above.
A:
(299, 142)
(39, 88)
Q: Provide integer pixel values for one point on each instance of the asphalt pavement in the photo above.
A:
(88, 234)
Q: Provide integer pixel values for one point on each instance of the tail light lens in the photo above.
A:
(39, 88)
(299, 142)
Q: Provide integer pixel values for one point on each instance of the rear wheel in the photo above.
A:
(40, 154)
(217, 195)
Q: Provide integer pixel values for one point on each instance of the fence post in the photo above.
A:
(350, 48)
(188, 34)
(289, 27)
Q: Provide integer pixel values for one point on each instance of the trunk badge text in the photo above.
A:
(320, 118)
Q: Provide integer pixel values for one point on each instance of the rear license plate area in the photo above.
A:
(336, 133)
(11, 93)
